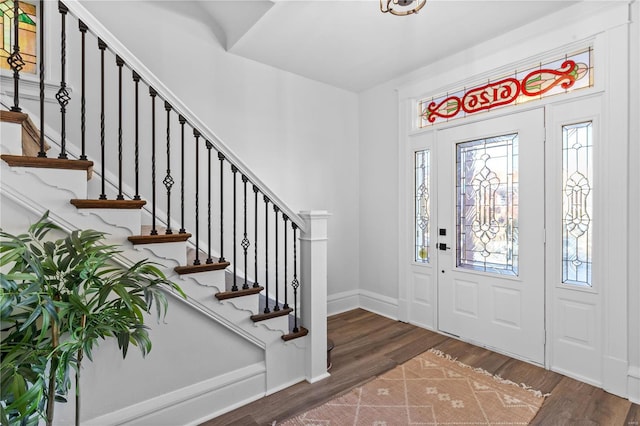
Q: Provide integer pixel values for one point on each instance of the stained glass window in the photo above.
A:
(422, 206)
(568, 73)
(577, 204)
(487, 205)
(26, 34)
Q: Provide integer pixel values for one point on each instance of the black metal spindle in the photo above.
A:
(136, 155)
(266, 253)
(62, 96)
(153, 94)
(83, 99)
(245, 241)
(182, 121)
(295, 283)
(209, 147)
(255, 239)
(119, 63)
(102, 46)
(234, 170)
(42, 152)
(286, 304)
(15, 59)
(276, 306)
(168, 179)
(221, 158)
(196, 134)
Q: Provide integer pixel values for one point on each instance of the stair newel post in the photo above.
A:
(196, 135)
(255, 239)
(266, 253)
(136, 155)
(119, 63)
(168, 179)
(153, 94)
(102, 46)
(286, 304)
(42, 153)
(234, 170)
(295, 283)
(15, 59)
(221, 158)
(276, 306)
(182, 122)
(245, 241)
(62, 96)
(82, 27)
(209, 148)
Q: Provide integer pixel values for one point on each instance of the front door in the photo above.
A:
(490, 233)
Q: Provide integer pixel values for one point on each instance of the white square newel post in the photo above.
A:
(313, 288)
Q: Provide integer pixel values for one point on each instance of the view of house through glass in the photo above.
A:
(487, 204)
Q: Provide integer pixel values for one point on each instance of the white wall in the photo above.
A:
(298, 136)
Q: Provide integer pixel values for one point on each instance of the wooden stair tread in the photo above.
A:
(30, 134)
(159, 238)
(272, 314)
(300, 333)
(48, 163)
(239, 293)
(203, 267)
(108, 204)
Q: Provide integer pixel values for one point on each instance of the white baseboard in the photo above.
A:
(615, 376)
(195, 403)
(379, 304)
(633, 386)
(342, 302)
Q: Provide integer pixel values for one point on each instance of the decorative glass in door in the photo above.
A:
(26, 21)
(577, 204)
(422, 205)
(487, 205)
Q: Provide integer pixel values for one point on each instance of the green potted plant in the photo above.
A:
(58, 299)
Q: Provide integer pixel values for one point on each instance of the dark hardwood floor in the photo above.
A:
(367, 345)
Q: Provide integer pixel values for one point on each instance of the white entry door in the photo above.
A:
(490, 233)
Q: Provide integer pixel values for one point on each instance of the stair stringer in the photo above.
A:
(284, 360)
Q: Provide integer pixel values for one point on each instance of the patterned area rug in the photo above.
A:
(430, 389)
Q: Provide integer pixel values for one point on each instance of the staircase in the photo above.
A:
(253, 270)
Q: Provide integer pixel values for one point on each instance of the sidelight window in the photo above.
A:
(422, 205)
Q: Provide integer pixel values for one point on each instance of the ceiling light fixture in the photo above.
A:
(401, 7)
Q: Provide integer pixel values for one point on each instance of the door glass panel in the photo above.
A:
(422, 205)
(577, 207)
(487, 204)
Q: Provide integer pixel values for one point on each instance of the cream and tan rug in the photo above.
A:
(430, 389)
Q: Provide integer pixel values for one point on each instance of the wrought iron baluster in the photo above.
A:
(266, 253)
(153, 94)
(182, 121)
(15, 59)
(286, 304)
(102, 46)
(62, 96)
(234, 170)
(295, 283)
(136, 80)
(209, 147)
(255, 239)
(221, 158)
(42, 153)
(119, 63)
(196, 134)
(83, 98)
(276, 306)
(168, 180)
(245, 241)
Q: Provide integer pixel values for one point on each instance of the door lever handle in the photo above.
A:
(443, 246)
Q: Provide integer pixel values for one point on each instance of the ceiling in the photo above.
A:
(352, 45)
